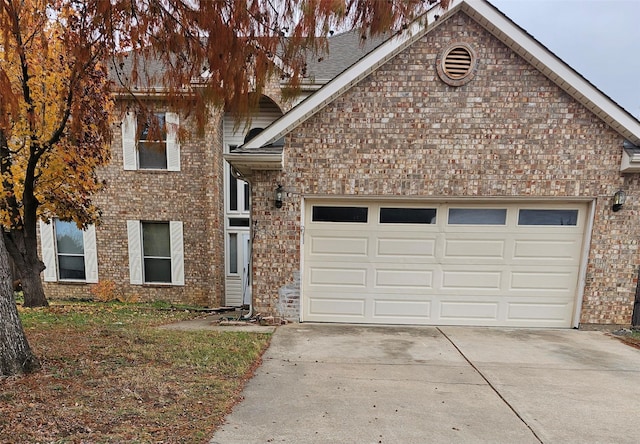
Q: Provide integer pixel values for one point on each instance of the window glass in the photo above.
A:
(69, 238)
(407, 215)
(156, 250)
(71, 267)
(233, 192)
(155, 239)
(477, 216)
(247, 205)
(233, 253)
(152, 155)
(152, 146)
(157, 270)
(238, 222)
(70, 251)
(548, 217)
(340, 214)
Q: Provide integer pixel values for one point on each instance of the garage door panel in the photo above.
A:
(471, 279)
(345, 245)
(461, 249)
(438, 273)
(407, 249)
(329, 307)
(543, 281)
(466, 311)
(401, 280)
(539, 311)
(399, 308)
(338, 277)
(541, 249)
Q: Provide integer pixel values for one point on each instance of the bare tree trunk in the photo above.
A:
(16, 356)
(29, 267)
(21, 239)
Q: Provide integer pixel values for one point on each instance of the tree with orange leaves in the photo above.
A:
(56, 61)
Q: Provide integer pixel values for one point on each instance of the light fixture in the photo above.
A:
(278, 196)
(618, 200)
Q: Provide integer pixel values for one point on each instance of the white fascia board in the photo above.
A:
(342, 82)
(553, 67)
(246, 163)
(274, 158)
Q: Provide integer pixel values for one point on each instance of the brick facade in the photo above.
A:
(193, 195)
(509, 133)
(402, 132)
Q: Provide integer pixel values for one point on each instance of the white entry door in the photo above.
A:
(238, 260)
(492, 264)
(246, 268)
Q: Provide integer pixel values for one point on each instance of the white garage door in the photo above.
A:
(449, 264)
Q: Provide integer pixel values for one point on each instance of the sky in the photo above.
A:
(600, 39)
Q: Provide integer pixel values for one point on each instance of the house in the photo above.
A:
(458, 173)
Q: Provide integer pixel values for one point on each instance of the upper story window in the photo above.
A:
(151, 144)
(69, 253)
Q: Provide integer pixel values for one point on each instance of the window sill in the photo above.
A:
(65, 282)
(152, 171)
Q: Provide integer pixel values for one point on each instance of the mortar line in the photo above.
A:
(495, 390)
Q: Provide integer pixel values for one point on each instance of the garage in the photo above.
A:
(443, 263)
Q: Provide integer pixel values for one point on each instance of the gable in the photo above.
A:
(405, 124)
(507, 98)
(488, 17)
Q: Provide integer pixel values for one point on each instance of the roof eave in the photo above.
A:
(148, 92)
(246, 163)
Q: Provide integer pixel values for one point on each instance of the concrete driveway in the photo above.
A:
(330, 383)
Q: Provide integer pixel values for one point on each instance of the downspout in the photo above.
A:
(635, 318)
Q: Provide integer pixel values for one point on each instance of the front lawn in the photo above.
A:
(109, 376)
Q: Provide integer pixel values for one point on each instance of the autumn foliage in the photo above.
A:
(56, 121)
(62, 60)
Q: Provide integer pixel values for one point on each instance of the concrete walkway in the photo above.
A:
(360, 384)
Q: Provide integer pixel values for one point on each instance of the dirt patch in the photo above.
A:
(632, 341)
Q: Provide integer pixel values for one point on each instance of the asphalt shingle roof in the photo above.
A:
(344, 50)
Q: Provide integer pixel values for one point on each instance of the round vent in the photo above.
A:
(457, 64)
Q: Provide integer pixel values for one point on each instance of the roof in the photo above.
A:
(496, 23)
(344, 50)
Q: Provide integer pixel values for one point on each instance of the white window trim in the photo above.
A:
(50, 254)
(136, 264)
(130, 146)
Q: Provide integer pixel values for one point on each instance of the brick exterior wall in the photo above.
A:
(402, 132)
(193, 195)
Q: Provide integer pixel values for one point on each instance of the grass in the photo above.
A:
(109, 376)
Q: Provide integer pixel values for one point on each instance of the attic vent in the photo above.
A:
(457, 64)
